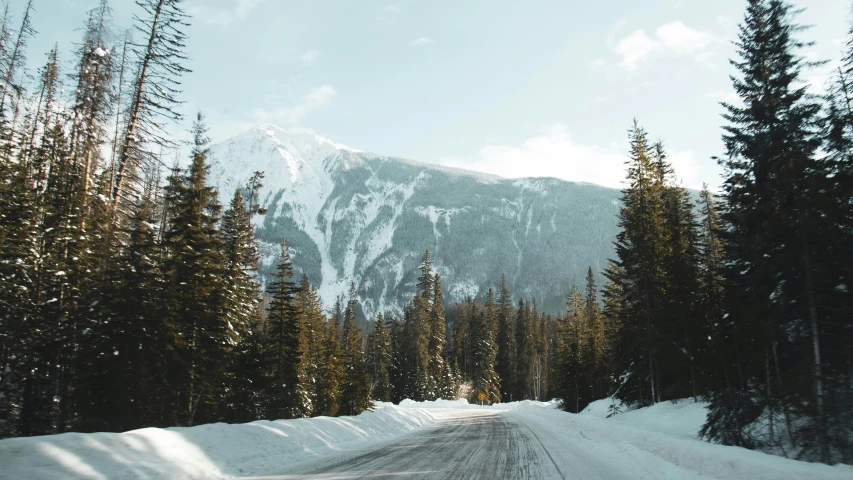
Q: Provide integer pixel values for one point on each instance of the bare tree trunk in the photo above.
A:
(779, 384)
(818, 375)
(769, 396)
(13, 59)
(135, 111)
(118, 111)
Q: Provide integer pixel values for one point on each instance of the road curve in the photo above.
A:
(478, 445)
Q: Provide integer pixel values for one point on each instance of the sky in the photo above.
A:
(518, 89)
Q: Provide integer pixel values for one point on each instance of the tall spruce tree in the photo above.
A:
(240, 302)
(355, 390)
(526, 343)
(194, 287)
(641, 250)
(286, 397)
(379, 359)
(506, 355)
(484, 379)
(779, 235)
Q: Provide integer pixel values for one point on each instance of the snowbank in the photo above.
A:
(652, 443)
(662, 438)
(205, 451)
(682, 418)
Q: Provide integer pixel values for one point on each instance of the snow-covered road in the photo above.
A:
(466, 444)
(428, 440)
(531, 440)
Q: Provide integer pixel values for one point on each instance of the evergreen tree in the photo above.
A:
(683, 335)
(287, 396)
(641, 248)
(462, 341)
(379, 360)
(398, 371)
(525, 340)
(484, 379)
(506, 355)
(330, 375)
(781, 271)
(572, 370)
(194, 287)
(123, 382)
(355, 390)
(18, 259)
(541, 367)
(593, 361)
(240, 304)
(154, 97)
(14, 60)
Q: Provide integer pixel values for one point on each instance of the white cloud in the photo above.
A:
(314, 99)
(673, 38)
(681, 39)
(222, 17)
(311, 55)
(388, 13)
(421, 42)
(554, 153)
(634, 48)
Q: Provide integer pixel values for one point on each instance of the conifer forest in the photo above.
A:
(130, 294)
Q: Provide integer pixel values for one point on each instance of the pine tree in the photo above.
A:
(240, 303)
(594, 363)
(14, 60)
(485, 380)
(193, 271)
(683, 335)
(641, 249)
(571, 367)
(541, 368)
(123, 383)
(711, 297)
(379, 360)
(330, 373)
(398, 370)
(462, 341)
(838, 339)
(781, 269)
(154, 97)
(525, 340)
(445, 377)
(92, 102)
(18, 260)
(287, 397)
(506, 357)
(355, 392)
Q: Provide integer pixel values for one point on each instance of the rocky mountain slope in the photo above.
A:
(354, 216)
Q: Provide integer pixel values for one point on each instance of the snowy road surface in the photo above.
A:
(534, 441)
(428, 440)
(474, 444)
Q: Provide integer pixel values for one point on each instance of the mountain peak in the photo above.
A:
(301, 140)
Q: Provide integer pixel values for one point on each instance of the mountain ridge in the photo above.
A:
(350, 215)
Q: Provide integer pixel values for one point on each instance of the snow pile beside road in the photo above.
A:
(659, 439)
(682, 418)
(205, 451)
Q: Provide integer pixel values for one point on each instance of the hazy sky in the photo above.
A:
(515, 88)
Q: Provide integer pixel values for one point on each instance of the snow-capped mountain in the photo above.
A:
(351, 216)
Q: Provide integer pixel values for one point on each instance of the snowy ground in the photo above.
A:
(414, 440)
